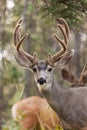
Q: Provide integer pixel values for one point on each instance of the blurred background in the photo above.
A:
(40, 20)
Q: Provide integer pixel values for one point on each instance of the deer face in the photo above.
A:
(43, 73)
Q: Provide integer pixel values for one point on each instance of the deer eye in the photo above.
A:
(34, 69)
(49, 69)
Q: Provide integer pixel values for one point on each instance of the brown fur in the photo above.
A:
(33, 112)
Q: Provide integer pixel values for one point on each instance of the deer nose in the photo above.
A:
(41, 81)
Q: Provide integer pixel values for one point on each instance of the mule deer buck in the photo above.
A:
(70, 104)
(35, 113)
(68, 75)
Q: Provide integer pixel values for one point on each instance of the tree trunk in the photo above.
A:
(28, 23)
(3, 102)
(77, 43)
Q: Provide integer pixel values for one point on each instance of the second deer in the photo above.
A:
(35, 113)
(69, 76)
(70, 104)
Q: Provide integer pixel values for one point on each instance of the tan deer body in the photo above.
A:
(70, 104)
(34, 112)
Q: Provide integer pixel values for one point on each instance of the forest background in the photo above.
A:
(40, 20)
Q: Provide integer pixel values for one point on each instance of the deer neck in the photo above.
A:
(55, 96)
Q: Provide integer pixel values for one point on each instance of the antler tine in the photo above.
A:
(18, 40)
(62, 21)
(83, 73)
(63, 26)
(16, 32)
(63, 47)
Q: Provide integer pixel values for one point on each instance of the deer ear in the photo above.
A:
(23, 60)
(65, 59)
(65, 74)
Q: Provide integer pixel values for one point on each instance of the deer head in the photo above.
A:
(43, 69)
(69, 76)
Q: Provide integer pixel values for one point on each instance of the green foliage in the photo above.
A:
(18, 95)
(11, 73)
(11, 125)
(31, 7)
(72, 10)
